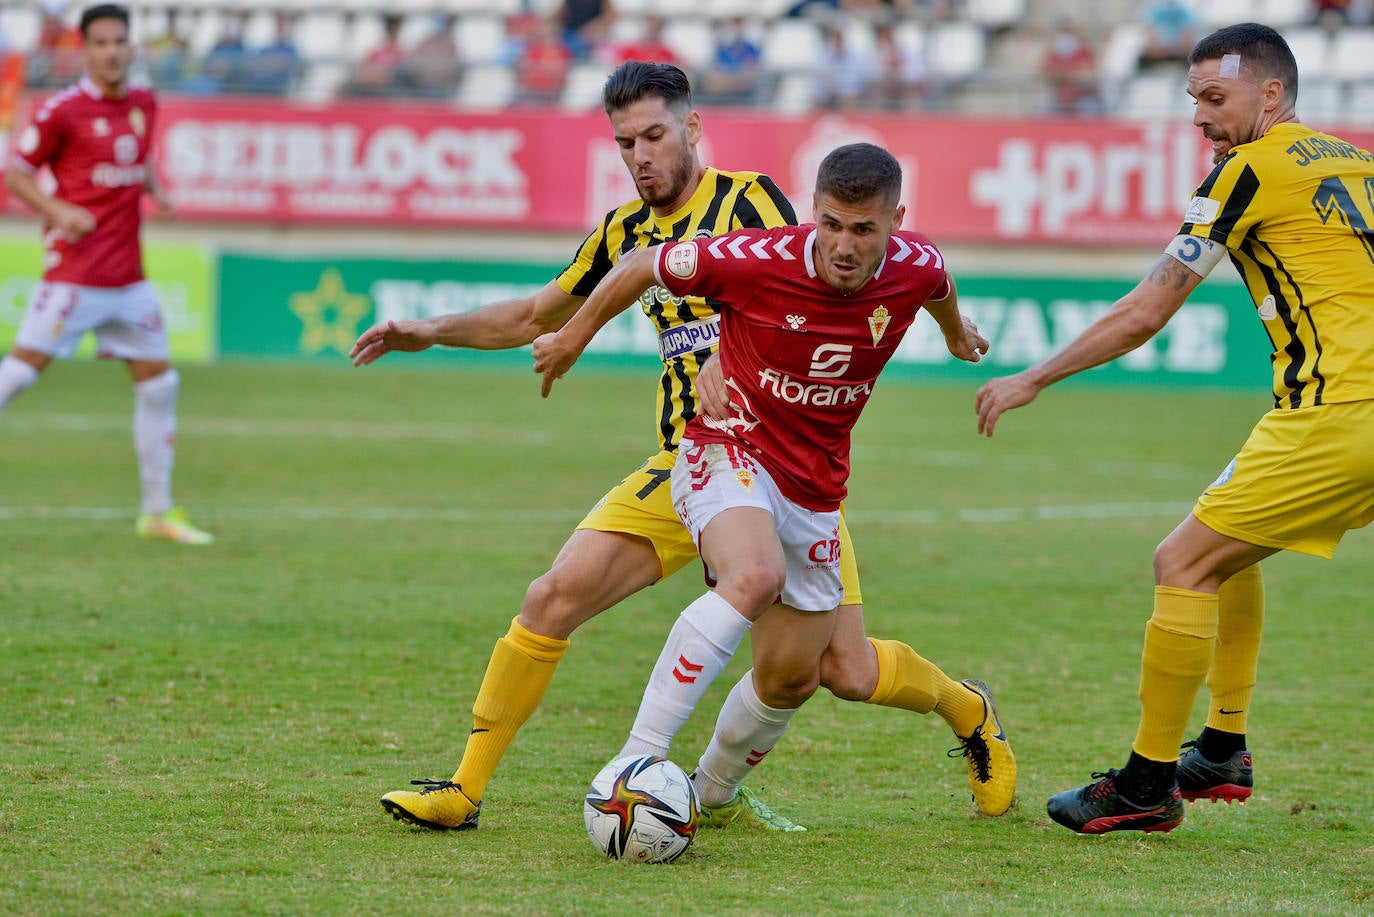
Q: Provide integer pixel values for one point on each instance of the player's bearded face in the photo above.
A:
(107, 52)
(1229, 110)
(659, 148)
(851, 239)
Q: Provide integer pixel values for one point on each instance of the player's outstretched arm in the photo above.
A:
(499, 326)
(555, 354)
(961, 334)
(1133, 320)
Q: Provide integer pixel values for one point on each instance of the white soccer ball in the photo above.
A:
(641, 808)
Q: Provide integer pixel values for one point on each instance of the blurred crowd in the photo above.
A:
(888, 70)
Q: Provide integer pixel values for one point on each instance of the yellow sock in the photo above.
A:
(1179, 639)
(1240, 620)
(521, 667)
(910, 682)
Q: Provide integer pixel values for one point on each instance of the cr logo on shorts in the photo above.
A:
(825, 552)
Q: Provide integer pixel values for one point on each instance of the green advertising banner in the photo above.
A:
(314, 308)
(182, 274)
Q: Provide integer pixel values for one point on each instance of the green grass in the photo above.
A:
(193, 731)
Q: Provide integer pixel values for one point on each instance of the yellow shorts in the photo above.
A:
(642, 505)
(1301, 481)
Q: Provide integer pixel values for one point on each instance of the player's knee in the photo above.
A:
(753, 586)
(787, 689)
(553, 606)
(848, 677)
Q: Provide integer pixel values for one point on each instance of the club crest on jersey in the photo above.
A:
(138, 122)
(681, 260)
(796, 321)
(878, 322)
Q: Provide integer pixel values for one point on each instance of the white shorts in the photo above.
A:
(714, 477)
(127, 321)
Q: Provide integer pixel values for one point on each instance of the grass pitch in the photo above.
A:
(207, 731)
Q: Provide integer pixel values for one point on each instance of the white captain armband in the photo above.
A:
(1196, 254)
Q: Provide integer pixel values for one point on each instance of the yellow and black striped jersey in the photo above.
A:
(1295, 210)
(688, 329)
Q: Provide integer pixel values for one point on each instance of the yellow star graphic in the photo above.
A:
(329, 314)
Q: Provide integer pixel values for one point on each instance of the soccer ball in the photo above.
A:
(641, 808)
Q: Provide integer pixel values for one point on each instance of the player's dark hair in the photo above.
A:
(1262, 50)
(103, 11)
(859, 172)
(633, 80)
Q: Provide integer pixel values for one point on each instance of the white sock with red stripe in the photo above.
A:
(15, 376)
(155, 429)
(702, 640)
(746, 731)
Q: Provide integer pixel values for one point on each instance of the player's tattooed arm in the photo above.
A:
(1170, 274)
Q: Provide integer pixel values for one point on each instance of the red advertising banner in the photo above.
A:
(1081, 181)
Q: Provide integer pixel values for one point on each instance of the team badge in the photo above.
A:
(745, 478)
(878, 322)
(681, 260)
(138, 122)
(1267, 308)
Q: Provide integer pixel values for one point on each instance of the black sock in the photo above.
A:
(1217, 746)
(1144, 782)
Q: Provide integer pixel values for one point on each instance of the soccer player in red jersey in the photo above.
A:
(95, 138)
(809, 317)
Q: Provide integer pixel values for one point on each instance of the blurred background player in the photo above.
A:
(633, 537)
(1281, 202)
(95, 137)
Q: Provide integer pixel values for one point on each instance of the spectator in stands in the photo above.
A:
(841, 74)
(271, 69)
(1332, 14)
(1070, 66)
(168, 55)
(430, 68)
(377, 73)
(543, 63)
(1170, 32)
(901, 79)
(57, 59)
(650, 47)
(223, 68)
(585, 24)
(734, 75)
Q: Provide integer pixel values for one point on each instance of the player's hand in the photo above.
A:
(553, 356)
(381, 339)
(73, 222)
(711, 390)
(1002, 394)
(163, 208)
(968, 345)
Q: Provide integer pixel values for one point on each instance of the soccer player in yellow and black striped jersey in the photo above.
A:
(1294, 209)
(633, 537)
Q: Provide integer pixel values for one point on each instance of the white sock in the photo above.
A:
(15, 376)
(702, 640)
(155, 428)
(746, 731)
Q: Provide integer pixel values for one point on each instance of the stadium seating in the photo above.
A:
(985, 59)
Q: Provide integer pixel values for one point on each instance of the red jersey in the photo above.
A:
(97, 149)
(799, 357)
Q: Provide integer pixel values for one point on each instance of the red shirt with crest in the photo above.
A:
(97, 149)
(799, 357)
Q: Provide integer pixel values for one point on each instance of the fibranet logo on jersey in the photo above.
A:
(817, 394)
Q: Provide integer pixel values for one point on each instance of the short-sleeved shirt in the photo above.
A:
(1295, 210)
(800, 358)
(97, 149)
(687, 327)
